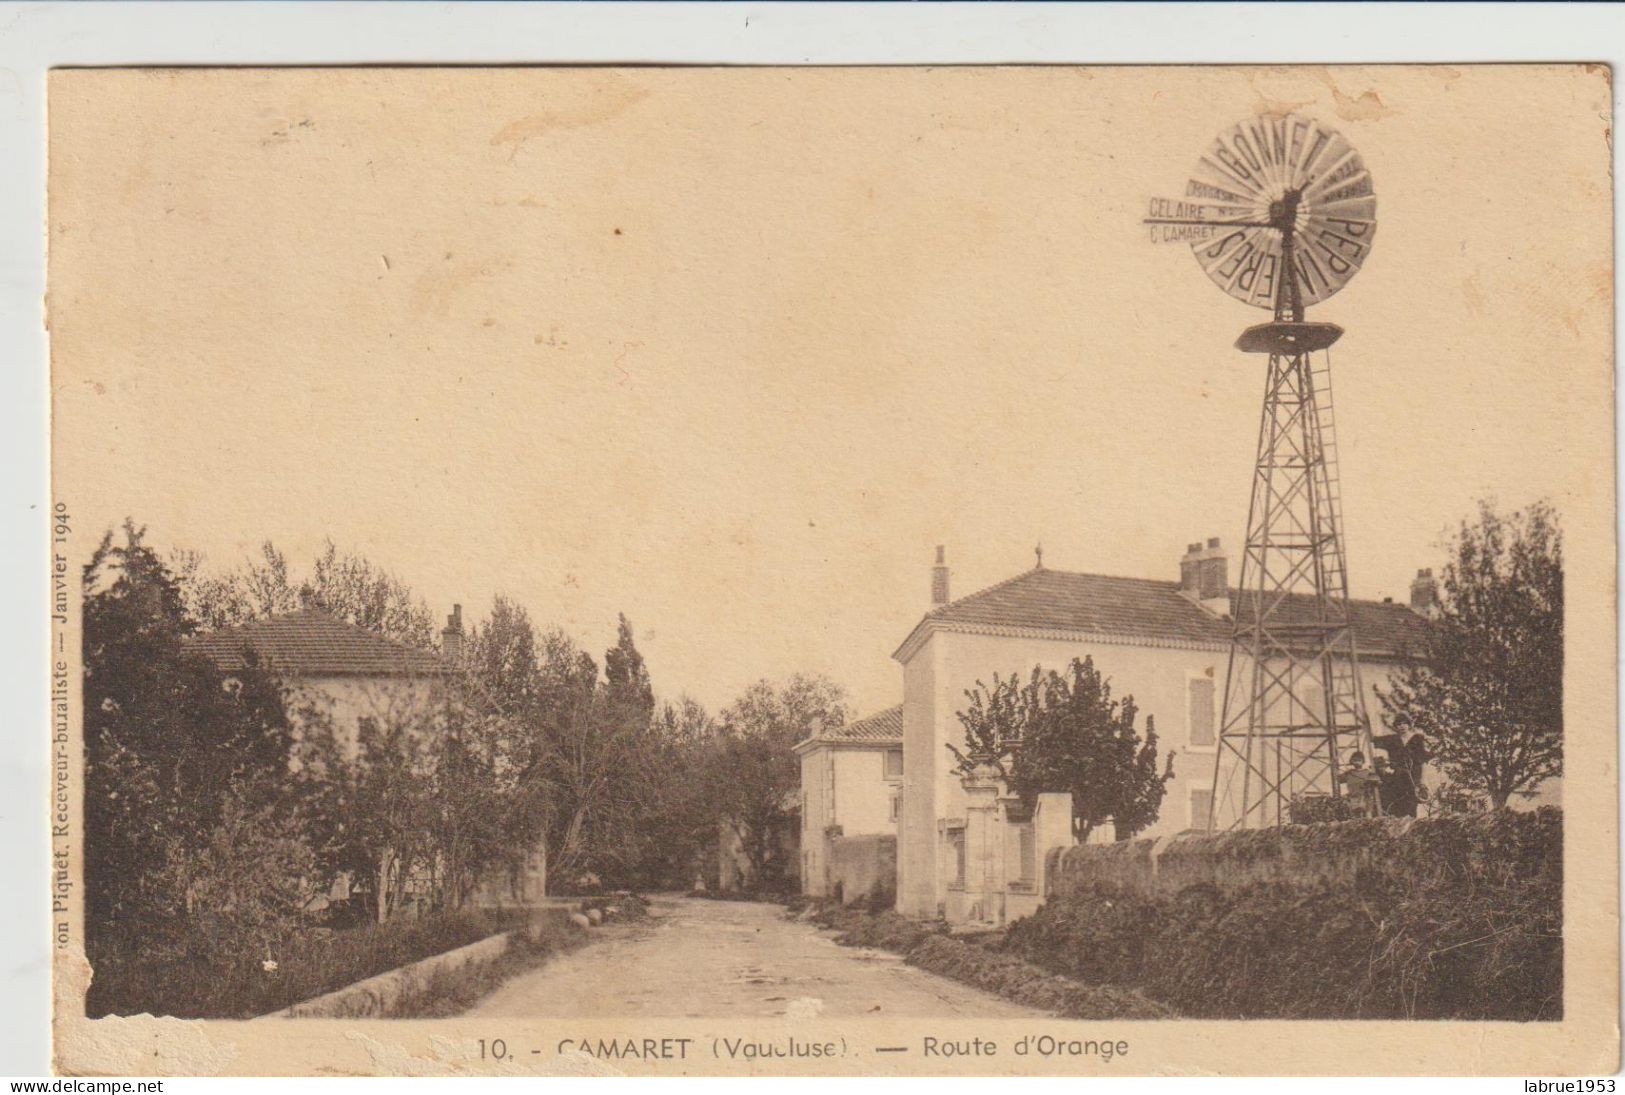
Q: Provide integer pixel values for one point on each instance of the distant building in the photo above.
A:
(851, 786)
(350, 676)
(736, 873)
(1164, 642)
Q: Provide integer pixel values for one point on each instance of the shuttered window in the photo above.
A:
(1201, 711)
(1201, 804)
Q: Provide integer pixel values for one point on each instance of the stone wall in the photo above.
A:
(863, 866)
(372, 998)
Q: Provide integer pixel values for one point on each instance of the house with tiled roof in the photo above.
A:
(851, 787)
(350, 676)
(1165, 642)
(347, 672)
(311, 643)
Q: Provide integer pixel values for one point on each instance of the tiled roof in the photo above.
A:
(1381, 628)
(312, 643)
(1143, 608)
(883, 728)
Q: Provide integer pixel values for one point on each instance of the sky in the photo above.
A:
(731, 351)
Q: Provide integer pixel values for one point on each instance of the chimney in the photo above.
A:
(451, 639)
(939, 579)
(1425, 593)
(1190, 571)
(1204, 576)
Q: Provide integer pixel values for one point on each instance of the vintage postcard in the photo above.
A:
(913, 570)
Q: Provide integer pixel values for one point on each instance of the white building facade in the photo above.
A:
(1162, 642)
(851, 786)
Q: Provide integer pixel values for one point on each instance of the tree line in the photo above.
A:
(222, 806)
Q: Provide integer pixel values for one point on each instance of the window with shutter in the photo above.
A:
(1201, 711)
(1201, 806)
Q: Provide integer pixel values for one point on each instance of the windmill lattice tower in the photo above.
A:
(1283, 212)
(1294, 707)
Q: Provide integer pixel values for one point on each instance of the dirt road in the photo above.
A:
(727, 959)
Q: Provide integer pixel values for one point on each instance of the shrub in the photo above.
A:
(1013, 979)
(241, 892)
(928, 946)
(160, 968)
(882, 899)
(1317, 809)
(1455, 918)
(888, 930)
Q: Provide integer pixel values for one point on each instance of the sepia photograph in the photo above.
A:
(763, 570)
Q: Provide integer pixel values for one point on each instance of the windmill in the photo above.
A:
(1280, 214)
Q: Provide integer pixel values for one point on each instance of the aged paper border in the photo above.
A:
(1583, 1042)
(135, 34)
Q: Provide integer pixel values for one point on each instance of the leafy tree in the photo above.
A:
(344, 584)
(242, 890)
(501, 654)
(1065, 732)
(626, 679)
(355, 590)
(170, 741)
(1448, 798)
(209, 599)
(589, 764)
(501, 660)
(263, 586)
(1487, 686)
(474, 822)
(422, 801)
(680, 823)
(755, 775)
(376, 791)
(594, 746)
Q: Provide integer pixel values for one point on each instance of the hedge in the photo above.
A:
(1010, 977)
(1448, 918)
(928, 946)
(137, 973)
